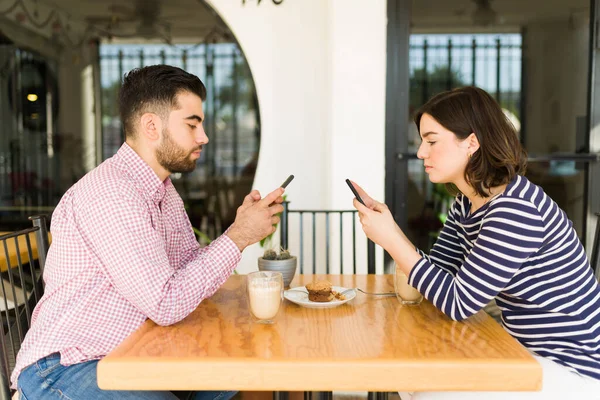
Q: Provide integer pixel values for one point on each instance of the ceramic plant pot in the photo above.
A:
(286, 267)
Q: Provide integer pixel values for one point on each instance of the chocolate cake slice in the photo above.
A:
(320, 291)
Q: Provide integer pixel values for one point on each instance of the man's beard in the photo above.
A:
(172, 157)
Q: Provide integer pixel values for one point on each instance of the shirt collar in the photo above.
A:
(143, 174)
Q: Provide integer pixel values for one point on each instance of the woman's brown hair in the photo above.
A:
(469, 110)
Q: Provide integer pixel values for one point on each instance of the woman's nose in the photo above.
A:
(421, 152)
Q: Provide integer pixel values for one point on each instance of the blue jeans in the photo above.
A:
(47, 379)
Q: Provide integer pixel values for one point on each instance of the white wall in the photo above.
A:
(357, 107)
(556, 92)
(319, 71)
(556, 57)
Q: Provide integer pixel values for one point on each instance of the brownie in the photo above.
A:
(320, 291)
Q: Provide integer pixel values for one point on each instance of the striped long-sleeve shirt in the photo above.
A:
(521, 249)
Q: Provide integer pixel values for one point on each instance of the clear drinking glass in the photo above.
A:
(405, 293)
(265, 295)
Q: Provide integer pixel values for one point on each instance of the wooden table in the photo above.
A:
(368, 344)
(12, 250)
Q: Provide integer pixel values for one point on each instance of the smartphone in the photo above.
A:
(351, 186)
(287, 181)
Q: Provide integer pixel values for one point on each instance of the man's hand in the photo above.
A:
(256, 217)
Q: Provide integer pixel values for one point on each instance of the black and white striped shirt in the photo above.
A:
(521, 249)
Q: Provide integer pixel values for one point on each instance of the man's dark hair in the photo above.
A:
(469, 110)
(154, 89)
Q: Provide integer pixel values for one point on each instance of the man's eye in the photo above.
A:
(431, 143)
(192, 126)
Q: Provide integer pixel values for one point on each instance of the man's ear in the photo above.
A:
(473, 143)
(150, 126)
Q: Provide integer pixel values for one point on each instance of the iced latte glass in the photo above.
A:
(265, 295)
(405, 293)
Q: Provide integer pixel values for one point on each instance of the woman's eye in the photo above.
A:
(431, 143)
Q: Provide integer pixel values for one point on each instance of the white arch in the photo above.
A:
(319, 71)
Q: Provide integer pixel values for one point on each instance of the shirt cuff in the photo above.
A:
(228, 252)
(417, 272)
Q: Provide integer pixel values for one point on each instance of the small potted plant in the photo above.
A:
(282, 262)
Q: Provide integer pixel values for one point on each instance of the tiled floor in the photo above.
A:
(300, 396)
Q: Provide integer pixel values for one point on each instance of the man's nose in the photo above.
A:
(201, 137)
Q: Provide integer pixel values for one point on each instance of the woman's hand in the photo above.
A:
(379, 226)
(377, 220)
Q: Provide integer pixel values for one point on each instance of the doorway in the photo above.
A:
(539, 67)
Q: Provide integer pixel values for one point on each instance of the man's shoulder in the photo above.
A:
(108, 179)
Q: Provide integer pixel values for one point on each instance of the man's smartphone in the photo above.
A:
(351, 186)
(287, 181)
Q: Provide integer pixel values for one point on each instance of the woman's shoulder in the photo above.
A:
(523, 195)
(522, 188)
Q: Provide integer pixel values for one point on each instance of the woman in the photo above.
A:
(504, 238)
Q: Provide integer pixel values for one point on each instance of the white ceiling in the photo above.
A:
(159, 20)
(457, 15)
(193, 20)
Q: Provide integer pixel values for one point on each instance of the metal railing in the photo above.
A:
(326, 216)
(491, 61)
(31, 174)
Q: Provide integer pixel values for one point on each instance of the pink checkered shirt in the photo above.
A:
(122, 251)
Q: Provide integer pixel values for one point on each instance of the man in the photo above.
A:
(123, 249)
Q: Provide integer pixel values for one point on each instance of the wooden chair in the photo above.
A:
(595, 258)
(22, 257)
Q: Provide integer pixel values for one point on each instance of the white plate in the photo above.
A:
(299, 296)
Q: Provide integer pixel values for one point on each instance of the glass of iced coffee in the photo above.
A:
(265, 295)
(405, 293)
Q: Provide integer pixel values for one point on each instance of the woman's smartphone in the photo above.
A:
(351, 186)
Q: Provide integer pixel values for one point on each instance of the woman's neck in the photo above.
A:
(478, 201)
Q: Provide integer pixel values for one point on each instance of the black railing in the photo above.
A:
(577, 157)
(33, 170)
(442, 62)
(328, 216)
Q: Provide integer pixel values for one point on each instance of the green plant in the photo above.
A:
(442, 201)
(266, 242)
(204, 239)
(284, 255)
(271, 254)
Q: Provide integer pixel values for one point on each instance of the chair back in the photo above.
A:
(22, 260)
(595, 259)
(311, 221)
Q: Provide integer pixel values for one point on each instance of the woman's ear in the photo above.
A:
(473, 143)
